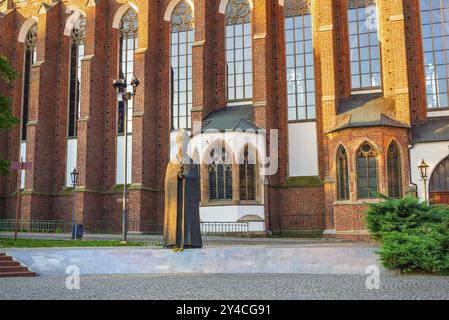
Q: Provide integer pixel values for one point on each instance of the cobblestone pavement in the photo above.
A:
(240, 287)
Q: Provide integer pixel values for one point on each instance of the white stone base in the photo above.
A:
(235, 214)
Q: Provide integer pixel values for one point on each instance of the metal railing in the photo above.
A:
(114, 227)
(41, 226)
(224, 228)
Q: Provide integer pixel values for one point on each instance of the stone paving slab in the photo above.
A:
(227, 287)
(222, 260)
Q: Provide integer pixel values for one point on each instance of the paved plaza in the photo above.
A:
(239, 286)
(215, 286)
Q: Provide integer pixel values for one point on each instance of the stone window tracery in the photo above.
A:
(367, 184)
(394, 171)
(127, 47)
(247, 174)
(220, 174)
(182, 38)
(342, 174)
(239, 50)
(30, 59)
(435, 36)
(364, 45)
(299, 61)
(77, 38)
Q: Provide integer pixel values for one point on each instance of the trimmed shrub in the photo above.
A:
(414, 236)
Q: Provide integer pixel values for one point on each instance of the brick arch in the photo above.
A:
(172, 5)
(336, 164)
(251, 147)
(216, 143)
(440, 172)
(121, 12)
(400, 173)
(224, 4)
(337, 147)
(75, 14)
(26, 26)
(374, 145)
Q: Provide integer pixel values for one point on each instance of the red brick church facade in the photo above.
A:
(362, 129)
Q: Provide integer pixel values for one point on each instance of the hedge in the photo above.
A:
(414, 236)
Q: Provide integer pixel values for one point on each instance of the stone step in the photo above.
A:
(312, 259)
(5, 258)
(9, 264)
(13, 269)
(24, 274)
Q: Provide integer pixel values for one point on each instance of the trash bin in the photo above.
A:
(77, 231)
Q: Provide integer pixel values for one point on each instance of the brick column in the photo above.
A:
(394, 56)
(415, 61)
(263, 67)
(146, 189)
(266, 49)
(341, 37)
(204, 68)
(90, 132)
(326, 55)
(39, 183)
(280, 90)
(9, 140)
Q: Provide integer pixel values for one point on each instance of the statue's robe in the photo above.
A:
(182, 219)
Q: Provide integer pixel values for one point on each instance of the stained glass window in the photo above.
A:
(247, 174)
(394, 171)
(128, 45)
(364, 44)
(30, 59)
(238, 50)
(342, 174)
(182, 38)
(367, 172)
(220, 174)
(299, 60)
(435, 36)
(77, 37)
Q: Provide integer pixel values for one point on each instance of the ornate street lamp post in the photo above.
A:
(123, 95)
(423, 171)
(74, 176)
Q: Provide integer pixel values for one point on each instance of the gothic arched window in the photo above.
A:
(247, 174)
(342, 174)
(238, 50)
(220, 174)
(182, 38)
(30, 59)
(299, 60)
(127, 47)
(435, 34)
(77, 37)
(366, 172)
(3, 5)
(364, 44)
(394, 171)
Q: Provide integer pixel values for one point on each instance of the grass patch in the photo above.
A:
(295, 182)
(33, 243)
(298, 234)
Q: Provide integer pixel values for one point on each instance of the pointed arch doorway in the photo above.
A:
(439, 183)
